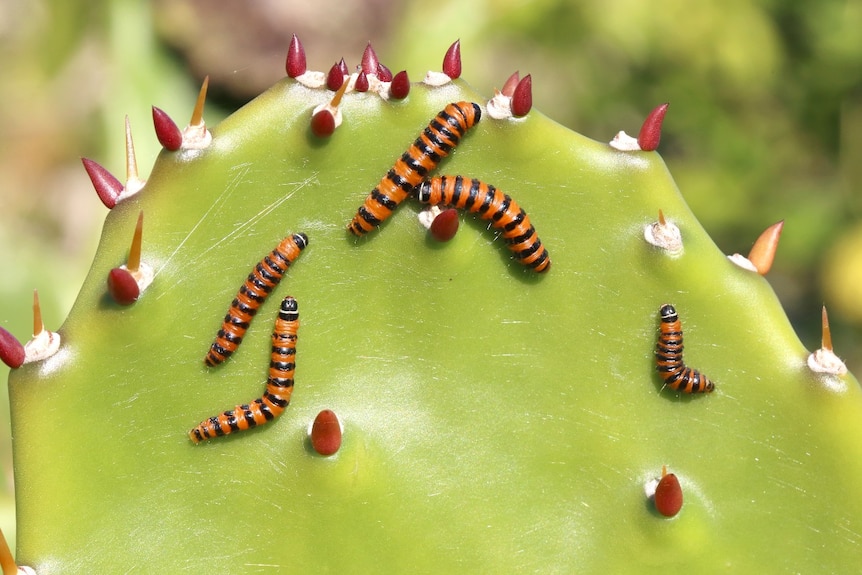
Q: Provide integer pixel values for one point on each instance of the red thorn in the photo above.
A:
(650, 133)
(11, 350)
(384, 74)
(326, 433)
(522, 97)
(668, 495)
(295, 65)
(169, 135)
(323, 123)
(509, 87)
(335, 77)
(400, 86)
(361, 84)
(108, 188)
(452, 60)
(445, 225)
(345, 71)
(123, 287)
(370, 62)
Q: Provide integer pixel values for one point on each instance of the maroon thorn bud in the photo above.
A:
(326, 433)
(522, 97)
(123, 287)
(361, 84)
(296, 65)
(400, 86)
(370, 62)
(510, 84)
(452, 60)
(445, 225)
(108, 188)
(335, 77)
(11, 350)
(668, 494)
(345, 71)
(650, 134)
(323, 123)
(384, 74)
(169, 135)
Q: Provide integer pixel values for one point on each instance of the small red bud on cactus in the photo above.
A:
(11, 350)
(326, 433)
(510, 84)
(400, 85)
(335, 77)
(342, 65)
(384, 74)
(123, 287)
(108, 188)
(445, 225)
(370, 62)
(522, 97)
(650, 134)
(668, 494)
(169, 135)
(323, 123)
(452, 60)
(296, 64)
(361, 84)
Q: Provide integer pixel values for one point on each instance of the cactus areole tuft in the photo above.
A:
(494, 419)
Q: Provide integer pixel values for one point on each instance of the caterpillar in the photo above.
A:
(668, 357)
(279, 384)
(490, 204)
(254, 291)
(433, 144)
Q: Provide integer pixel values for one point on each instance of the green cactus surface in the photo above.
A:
(495, 420)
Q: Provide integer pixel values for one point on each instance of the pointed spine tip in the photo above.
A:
(296, 63)
(826, 338)
(384, 74)
(399, 88)
(763, 251)
(134, 262)
(370, 63)
(108, 188)
(38, 324)
(522, 97)
(198, 112)
(167, 132)
(7, 561)
(452, 60)
(650, 133)
(131, 159)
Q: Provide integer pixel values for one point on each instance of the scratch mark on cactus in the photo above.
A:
(238, 230)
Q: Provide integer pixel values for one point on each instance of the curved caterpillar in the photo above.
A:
(668, 357)
(254, 291)
(279, 384)
(490, 204)
(433, 144)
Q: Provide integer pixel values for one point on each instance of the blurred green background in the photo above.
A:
(765, 121)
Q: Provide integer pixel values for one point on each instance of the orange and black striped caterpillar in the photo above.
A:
(490, 204)
(254, 291)
(279, 384)
(433, 144)
(668, 357)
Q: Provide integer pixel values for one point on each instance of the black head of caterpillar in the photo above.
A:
(279, 384)
(668, 357)
(441, 136)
